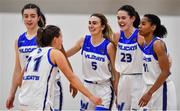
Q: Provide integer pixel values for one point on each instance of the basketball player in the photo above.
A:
(26, 43)
(159, 93)
(128, 59)
(41, 69)
(98, 53)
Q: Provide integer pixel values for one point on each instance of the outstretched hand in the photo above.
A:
(73, 90)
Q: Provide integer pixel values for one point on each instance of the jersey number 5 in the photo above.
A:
(94, 65)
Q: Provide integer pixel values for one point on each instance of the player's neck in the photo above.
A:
(31, 32)
(97, 39)
(129, 32)
(148, 39)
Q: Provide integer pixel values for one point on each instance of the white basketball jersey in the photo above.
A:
(129, 54)
(95, 60)
(38, 80)
(25, 47)
(151, 66)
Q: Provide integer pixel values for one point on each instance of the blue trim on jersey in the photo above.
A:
(23, 41)
(85, 39)
(149, 50)
(101, 49)
(45, 97)
(51, 109)
(121, 106)
(164, 96)
(131, 40)
(61, 96)
(112, 98)
(54, 65)
(91, 82)
(101, 109)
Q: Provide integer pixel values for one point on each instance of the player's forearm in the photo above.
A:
(14, 85)
(159, 82)
(64, 52)
(75, 81)
(71, 52)
(16, 81)
(116, 82)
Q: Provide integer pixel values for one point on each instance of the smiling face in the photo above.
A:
(30, 18)
(95, 27)
(124, 20)
(146, 28)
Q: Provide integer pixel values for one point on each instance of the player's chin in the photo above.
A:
(140, 32)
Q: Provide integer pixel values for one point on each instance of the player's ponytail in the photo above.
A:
(42, 21)
(160, 30)
(137, 20)
(40, 34)
(46, 35)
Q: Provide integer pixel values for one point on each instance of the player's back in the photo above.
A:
(38, 80)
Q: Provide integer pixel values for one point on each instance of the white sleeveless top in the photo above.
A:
(95, 60)
(38, 80)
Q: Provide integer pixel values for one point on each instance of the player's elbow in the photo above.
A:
(166, 72)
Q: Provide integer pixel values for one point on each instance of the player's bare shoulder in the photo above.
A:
(116, 37)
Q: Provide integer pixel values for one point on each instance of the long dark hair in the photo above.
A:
(131, 12)
(46, 35)
(160, 30)
(42, 21)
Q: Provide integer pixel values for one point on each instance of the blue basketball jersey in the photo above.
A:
(25, 47)
(38, 81)
(129, 54)
(95, 60)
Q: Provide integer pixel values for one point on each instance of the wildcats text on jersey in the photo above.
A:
(31, 77)
(26, 50)
(95, 57)
(127, 48)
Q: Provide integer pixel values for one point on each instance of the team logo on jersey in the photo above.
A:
(22, 41)
(102, 51)
(135, 39)
(87, 47)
